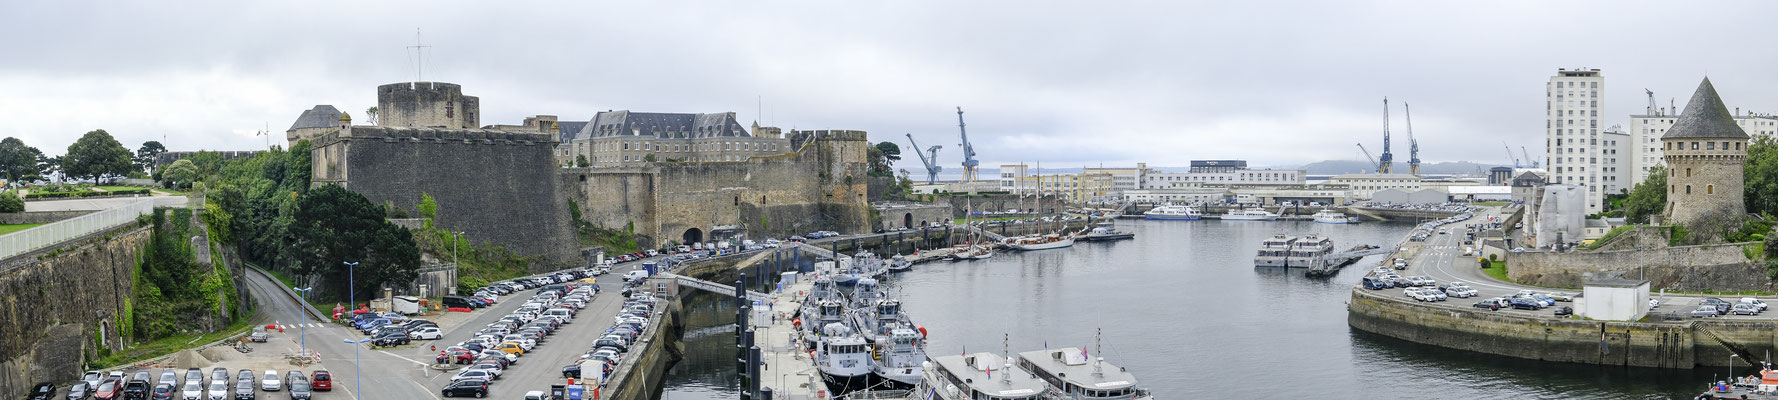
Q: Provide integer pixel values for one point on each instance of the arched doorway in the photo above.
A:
(907, 220)
(692, 235)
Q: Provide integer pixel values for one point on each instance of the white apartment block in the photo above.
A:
(1573, 144)
(1646, 131)
(1615, 154)
(1362, 186)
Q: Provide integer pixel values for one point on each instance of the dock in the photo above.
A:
(1333, 262)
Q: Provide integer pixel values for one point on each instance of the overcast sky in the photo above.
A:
(1066, 83)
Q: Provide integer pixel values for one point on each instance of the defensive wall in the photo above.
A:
(961, 205)
(1720, 267)
(58, 303)
(1684, 345)
(821, 186)
(497, 187)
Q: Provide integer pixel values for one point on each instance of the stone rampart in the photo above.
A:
(1689, 268)
(498, 187)
(822, 187)
(1043, 205)
(1550, 339)
(54, 301)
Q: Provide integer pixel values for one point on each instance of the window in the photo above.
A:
(1709, 189)
(1709, 145)
(1694, 145)
(1688, 189)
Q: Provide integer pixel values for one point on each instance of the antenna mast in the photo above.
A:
(419, 57)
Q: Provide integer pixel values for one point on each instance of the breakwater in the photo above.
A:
(1682, 345)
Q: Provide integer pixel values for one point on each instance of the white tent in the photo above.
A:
(1563, 215)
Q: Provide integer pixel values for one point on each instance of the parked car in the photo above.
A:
(244, 389)
(218, 389)
(466, 387)
(299, 387)
(137, 387)
(469, 374)
(169, 377)
(426, 333)
(1494, 304)
(1745, 309)
(1722, 307)
(1564, 311)
(192, 390)
(108, 390)
(270, 381)
(1525, 304)
(321, 381)
(162, 391)
(1703, 311)
(79, 391)
(43, 391)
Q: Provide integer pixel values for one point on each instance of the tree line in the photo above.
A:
(95, 156)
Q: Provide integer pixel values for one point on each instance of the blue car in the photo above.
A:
(1526, 304)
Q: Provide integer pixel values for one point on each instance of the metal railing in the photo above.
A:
(50, 234)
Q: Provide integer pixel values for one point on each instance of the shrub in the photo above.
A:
(10, 202)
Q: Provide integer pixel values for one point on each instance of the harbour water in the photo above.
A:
(1182, 307)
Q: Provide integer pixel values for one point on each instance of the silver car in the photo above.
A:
(271, 382)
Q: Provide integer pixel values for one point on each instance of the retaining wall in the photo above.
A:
(40, 217)
(1690, 344)
(55, 300)
(1721, 267)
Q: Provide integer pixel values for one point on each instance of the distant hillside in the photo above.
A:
(1332, 167)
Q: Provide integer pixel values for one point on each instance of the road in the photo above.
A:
(1441, 257)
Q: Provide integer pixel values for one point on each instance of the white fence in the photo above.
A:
(24, 241)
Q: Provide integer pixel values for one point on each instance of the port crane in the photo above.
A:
(1367, 155)
(1413, 145)
(969, 162)
(928, 157)
(1383, 163)
(1511, 156)
(1534, 162)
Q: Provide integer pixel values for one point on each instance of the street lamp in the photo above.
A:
(357, 375)
(352, 298)
(304, 343)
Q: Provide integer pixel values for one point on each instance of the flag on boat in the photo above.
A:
(1083, 352)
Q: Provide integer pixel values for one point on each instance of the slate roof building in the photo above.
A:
(1705, 152)
(314, 122)
(628, 138)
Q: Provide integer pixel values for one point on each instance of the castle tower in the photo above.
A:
(1705, 151)
(427, 105)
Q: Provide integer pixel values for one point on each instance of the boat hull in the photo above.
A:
(1335, 222)
(1247, 218)
(843, 384)
(1105, 238)
(1044, 246)
(1173, 217)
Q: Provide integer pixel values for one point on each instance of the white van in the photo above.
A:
(636, 275)
(1755, 302)
(557, 312)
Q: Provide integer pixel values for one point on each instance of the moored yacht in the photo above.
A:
(1039, 242)
(1104, 232)
(1174, 212)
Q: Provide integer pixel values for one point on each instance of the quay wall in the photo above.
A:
(1720, 267)
(646, 377)
(1691, 344)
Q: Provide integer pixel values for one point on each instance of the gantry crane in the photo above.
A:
(928, 157)
(1383, 163)
(969, 162)
(1511, 156)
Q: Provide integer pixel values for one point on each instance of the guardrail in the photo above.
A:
(50, 234)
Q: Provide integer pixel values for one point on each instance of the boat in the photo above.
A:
(1294, 252)
(843, 359)
(1248, 214)
(900, 263)
(1104, 232)
(898, 346)
(1039, 242)
(1762, 386)
(1174, 212)
(1073, 374)
(973, 252)
(979, 376)
(1329, 216)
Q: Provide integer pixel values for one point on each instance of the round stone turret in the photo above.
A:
(1705, 152)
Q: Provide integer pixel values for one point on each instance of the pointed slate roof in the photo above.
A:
(321, 116)
(1705, 117)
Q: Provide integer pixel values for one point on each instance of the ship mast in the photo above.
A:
(1098, 358)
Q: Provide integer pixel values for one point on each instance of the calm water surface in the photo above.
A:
(1182, 307)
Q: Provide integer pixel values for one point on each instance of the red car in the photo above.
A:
(456, 356)
(322, 381)
(108, 390)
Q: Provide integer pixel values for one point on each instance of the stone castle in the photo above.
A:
(1705, 152)
(667, 177)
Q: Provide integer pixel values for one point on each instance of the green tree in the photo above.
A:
(372, 113)
(180, 174)
(1760, 177)
(891, 151)
(580, 161)
(146, 155)
(332, 226)
(97, 155)
(877, 163)
(1649, 198)
(17, 161)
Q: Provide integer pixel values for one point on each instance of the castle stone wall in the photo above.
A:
(1721, 267)
(427, 105)
(497, 187)
(1704, 186)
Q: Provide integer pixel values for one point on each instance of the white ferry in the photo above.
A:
(985, 376)
(1294, 252)
(1077, 376)
(1174, 212)
(1329, 216)
(1248, 214)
